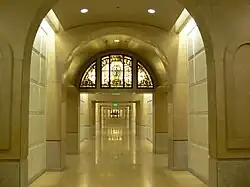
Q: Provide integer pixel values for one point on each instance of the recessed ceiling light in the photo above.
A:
(116, 41)
(84, 10)
(151, 11)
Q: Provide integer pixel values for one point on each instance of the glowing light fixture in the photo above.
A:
(84, 10)
(151, 11)
(116, 41)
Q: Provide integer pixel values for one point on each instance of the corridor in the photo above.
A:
(116, 158)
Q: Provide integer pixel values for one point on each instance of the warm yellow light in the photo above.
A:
(151, 11)
(116, 41)
(84, 10)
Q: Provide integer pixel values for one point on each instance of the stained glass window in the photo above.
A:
(89, 77)
(128, 74)
(105, 72)
(116, 71)
(144, 80)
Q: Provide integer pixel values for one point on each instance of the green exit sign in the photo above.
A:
(115, 104)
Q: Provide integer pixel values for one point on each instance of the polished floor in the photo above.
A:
(115, 158)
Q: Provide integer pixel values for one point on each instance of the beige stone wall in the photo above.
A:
(97, 116)
(37, 107)
(146, 117)
(160, 119)
(73, 121)
(133, 115)
(198, 103)
(84, 116)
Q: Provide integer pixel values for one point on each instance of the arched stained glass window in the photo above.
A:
(144, 79)
(89, 77)
(116, 71)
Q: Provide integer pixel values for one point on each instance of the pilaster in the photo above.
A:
(73, 121)
(160, 143)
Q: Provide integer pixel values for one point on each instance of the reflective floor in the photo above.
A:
(117, 159)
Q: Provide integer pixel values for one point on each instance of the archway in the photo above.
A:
(26, 53)
(213, 27)
(142, 79)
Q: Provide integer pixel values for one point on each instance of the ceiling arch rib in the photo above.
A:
(71, 41)
(157, 61)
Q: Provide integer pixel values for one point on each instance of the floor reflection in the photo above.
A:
(115, 134)
(116, 158)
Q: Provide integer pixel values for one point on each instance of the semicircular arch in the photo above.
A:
(136, 59)
(157, 60)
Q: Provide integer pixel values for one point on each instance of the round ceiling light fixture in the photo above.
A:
(116, 41)
(151, 11)
(84, 10)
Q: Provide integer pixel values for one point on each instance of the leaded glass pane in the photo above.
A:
(128, 83)
(105, 72)
(89, 77)
(144, 79)
(116, 71)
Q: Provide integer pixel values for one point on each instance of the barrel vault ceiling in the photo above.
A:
(167, 12)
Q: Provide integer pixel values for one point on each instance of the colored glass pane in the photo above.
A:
(144, 80)
(89, 77)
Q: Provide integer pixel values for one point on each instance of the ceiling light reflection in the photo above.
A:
(151, 11)
(84, 10)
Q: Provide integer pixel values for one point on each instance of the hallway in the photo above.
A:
(117, 158)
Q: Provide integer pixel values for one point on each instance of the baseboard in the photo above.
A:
(35, 177)
(198, 176)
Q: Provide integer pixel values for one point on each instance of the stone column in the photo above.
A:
(104, 114)
(145, 129)
(73, 120)
(177, 105)
(98, 116)
(86, 122)
(127, 117)
(160, 126)
(178, 139)
(55, 147)
(92, 116)
(136, 112)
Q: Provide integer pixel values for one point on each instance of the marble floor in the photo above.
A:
(115, 158)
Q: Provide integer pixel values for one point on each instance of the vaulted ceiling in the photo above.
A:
(167, 12)
(84, 52)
